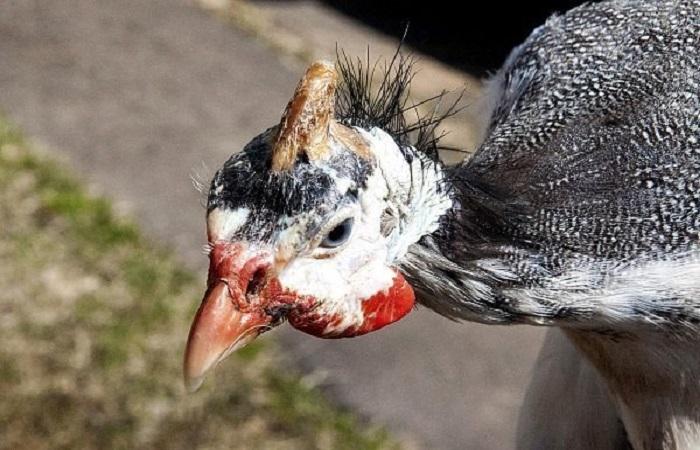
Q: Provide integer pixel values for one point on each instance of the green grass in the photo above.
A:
(93, 321)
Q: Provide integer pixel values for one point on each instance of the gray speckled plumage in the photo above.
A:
(601, 136)
(581, 209)
(590, 167)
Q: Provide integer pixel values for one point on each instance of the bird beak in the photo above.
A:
(218, 330)
(225, 321)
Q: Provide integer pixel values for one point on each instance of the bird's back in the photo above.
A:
(595, 141)
(590, 178)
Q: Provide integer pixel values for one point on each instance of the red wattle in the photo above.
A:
(387, 307)
(378, 311)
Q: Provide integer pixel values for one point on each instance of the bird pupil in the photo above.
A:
(339, 234)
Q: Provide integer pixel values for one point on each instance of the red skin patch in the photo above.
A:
(387, 307)
(226, 264)
(379, 310)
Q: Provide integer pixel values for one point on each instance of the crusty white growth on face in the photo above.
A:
(222, 224)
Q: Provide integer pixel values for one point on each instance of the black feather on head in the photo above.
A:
(360, 102)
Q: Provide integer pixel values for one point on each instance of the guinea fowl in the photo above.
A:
(579, 209)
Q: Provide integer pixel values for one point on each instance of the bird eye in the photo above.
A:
(339, 234)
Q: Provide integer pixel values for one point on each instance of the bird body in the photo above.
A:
(590, 174)
(580, 209)
(586, 182)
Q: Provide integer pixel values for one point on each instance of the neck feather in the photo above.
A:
(458, 267)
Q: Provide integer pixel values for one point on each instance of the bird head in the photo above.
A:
(307, 224)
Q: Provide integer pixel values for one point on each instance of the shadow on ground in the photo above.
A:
(476, 41)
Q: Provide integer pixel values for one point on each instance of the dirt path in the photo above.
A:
(136, 94)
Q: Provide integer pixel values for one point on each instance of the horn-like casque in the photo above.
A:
(305, 125)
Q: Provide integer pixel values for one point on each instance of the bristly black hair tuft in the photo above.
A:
(360, 103)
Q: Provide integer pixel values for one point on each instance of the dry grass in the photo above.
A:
(92, 324)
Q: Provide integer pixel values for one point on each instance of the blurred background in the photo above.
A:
(108, 109)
